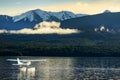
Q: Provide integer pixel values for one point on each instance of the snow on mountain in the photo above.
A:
(32, 15)
(43, 14)
(29, 15)
(36, 15)
(63, 15)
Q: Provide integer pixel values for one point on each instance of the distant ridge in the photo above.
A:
(90, 22)
(107, 11)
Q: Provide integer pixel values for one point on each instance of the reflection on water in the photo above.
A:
(54, 68)
(63, 69)
(26, 73)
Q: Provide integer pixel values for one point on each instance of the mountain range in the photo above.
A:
(108, 20)
(31, 18)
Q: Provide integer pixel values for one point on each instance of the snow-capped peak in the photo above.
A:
(38, 14)
(43, 14)
(31, 15)
(63, 15)
(28, 15)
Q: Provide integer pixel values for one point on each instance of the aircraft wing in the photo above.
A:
(11, 59)
(33, 60)
(23, 60)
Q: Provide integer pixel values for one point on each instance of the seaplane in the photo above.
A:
(24, 62)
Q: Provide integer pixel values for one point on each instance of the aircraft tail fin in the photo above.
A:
(18, 60)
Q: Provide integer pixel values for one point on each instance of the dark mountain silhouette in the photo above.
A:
(88, 23)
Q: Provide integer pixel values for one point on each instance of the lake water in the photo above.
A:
(62, 68)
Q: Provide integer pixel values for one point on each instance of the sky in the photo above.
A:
(16, 7)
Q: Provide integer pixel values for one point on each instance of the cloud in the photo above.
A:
(43, 28)
(3, 31)
(46, 24)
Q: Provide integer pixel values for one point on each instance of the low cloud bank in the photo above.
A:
(43, 28)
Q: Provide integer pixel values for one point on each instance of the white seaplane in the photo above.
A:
(24, 62)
